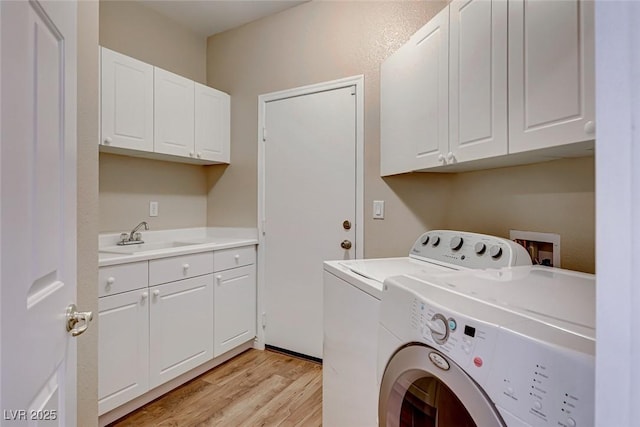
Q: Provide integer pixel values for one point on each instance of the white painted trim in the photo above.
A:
(617, 208)
(358, 82)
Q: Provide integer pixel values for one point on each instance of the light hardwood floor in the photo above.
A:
(257, 388)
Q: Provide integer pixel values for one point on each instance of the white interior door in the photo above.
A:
(309, 191)
(38, 212)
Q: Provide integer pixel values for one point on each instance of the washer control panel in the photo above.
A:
(467, 342)
(470, 250)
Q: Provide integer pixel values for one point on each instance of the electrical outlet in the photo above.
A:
(153, 208)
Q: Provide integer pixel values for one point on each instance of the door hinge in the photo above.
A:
(264, 134)
(264, 227)
(264, 319)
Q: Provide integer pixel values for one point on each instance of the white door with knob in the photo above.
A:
(309, 202)
(38, 212)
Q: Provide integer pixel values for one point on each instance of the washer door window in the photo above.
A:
(422, 387)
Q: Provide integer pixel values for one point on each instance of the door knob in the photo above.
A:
(346, 224)
(75, 317)
(346, 244)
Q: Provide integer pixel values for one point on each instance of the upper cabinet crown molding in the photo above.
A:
(519, 87)
(150, 112)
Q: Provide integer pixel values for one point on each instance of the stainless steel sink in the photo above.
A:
(143, 247)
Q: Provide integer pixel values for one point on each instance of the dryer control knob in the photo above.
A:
(425, 240)
(480, 248)
(456, 243)
(495, 252)
(435, 241)
(438, 327)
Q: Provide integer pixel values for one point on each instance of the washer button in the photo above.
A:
(571, 422)
(452, 324)
(537, 404)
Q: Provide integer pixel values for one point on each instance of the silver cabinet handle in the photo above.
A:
(77, 321)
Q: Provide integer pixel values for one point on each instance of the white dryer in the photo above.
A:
(509, 347)
(352, 292)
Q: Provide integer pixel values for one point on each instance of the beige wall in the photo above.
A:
(128, 184)
(554, 197)
(133, 29)
(88, 209)
(320, 41)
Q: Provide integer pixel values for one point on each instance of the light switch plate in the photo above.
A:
(378, 209)
(153, 208)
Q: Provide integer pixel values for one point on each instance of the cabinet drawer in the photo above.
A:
(166, 270)
(234, 257)
(120, 278)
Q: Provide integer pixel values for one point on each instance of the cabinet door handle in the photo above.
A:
(237, 258)
(156, 293)
(441, 158)
(451, 158)
(191, 154)
(111, 280)
(185, 266)
(107, 140)
(199, 154)
(144, 295)
(219, 279)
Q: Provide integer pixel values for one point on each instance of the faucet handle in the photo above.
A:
(137, 236)
(124, 237)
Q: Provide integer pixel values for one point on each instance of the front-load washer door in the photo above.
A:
(422, 387)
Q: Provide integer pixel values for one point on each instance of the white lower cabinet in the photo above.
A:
(181, 327)
(123, 348)
(234, 308)
(161, 318)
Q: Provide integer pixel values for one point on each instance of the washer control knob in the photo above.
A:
(435, 241)
(480, 248)
(425, 240)
(456, 243)
(495, 252)
(438, 327)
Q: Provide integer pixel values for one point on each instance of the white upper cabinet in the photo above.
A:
(127, 102)
(485, 79)
(414, 105)
(477, 79)
(212, 123)
(551, 73)
(150, 112)
(174, 114)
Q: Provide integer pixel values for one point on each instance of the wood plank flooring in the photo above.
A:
(257, 388)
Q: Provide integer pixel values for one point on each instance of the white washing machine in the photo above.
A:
(352, 292)
(511, 347)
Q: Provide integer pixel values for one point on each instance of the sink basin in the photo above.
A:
(143, 247)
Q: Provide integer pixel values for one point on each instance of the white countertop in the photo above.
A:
(192, 240)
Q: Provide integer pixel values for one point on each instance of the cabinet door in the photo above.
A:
(181, 327)
(414, 104)
(478, 79)
(126, 102)
(551, 73)
(235, 308)
(174, 107)
(123, 348)
(212, 123)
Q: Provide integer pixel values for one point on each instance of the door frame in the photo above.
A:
(358, 82)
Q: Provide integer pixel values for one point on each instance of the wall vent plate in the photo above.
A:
(544, 248)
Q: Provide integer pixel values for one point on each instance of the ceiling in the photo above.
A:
(208, 17)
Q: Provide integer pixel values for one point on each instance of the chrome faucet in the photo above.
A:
(134, 237)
